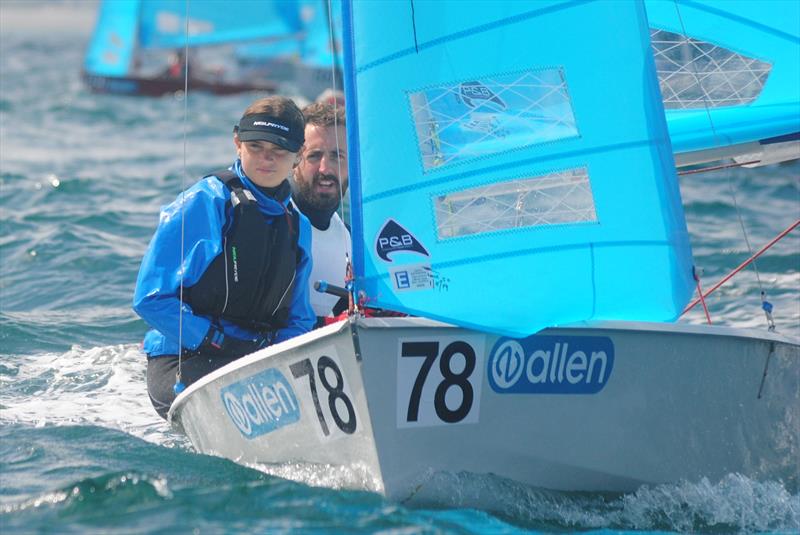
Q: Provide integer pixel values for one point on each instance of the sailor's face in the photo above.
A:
(321, 174)
(265, 163)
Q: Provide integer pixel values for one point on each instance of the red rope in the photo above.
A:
(741, 266)
(700, 293)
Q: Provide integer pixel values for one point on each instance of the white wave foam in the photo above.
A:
(103, 386)
(735, 503)
(356, 476)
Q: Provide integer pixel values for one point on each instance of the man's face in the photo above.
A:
(322, 171)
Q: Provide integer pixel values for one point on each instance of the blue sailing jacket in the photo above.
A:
(206, 213)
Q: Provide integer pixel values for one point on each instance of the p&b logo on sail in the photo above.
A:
(261, 403)
(475, 94)
(393, 238)
(551, 365)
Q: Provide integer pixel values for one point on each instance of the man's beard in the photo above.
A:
(316, 200)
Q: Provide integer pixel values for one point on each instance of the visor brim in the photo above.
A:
(257, 135)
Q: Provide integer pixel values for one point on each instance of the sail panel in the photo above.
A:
(111, 49)
(511, 217)
(738, 69)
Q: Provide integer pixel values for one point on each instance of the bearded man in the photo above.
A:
(318, 186)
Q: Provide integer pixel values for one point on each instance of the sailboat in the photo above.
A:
(133, 39)
(514, 192)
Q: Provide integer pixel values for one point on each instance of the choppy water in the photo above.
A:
(81, 180)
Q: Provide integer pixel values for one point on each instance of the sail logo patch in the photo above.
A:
(393, 238)
(551, 365)
(475, 94)
(261, 403)
(418, 277)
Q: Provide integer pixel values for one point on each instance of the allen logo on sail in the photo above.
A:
(551, 365)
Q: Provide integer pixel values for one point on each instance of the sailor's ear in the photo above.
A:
(237, 142)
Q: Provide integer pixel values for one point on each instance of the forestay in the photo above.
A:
(510, 164)
(728, 70)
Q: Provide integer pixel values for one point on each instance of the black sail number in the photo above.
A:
(347, 423)
(450, 378)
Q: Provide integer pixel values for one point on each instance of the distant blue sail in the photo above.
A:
(322, 25)
(503, 176)
(163, 22)
(730, 71)
(312, 43)
(113, 43)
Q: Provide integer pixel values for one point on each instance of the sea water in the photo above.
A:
(82, 178)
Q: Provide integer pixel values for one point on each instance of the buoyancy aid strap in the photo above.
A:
(228, 177)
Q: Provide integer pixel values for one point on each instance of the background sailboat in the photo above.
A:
(253, 45)
(129, 51)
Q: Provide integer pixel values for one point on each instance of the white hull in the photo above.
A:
(619, 405)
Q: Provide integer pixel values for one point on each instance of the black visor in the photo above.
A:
(265, 127)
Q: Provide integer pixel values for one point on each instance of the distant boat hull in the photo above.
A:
(156, 87)
(606, 407)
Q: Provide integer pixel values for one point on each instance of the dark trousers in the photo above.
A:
(162, 371)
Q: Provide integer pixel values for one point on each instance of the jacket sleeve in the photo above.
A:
(301, 315)
(156, 298)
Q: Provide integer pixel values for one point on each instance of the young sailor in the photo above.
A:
(245, 264)
(319, 182)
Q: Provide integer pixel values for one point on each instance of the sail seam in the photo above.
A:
(472, 31)
(530, 161)
(530, 251)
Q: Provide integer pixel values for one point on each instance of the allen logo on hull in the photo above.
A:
(551, 365)
(261, 403)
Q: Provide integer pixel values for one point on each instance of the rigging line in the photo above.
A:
(414, 26)
(716, 168)
(718, 143)
(334, 50)
(183, 190)
(741, 266)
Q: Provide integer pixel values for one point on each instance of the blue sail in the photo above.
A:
(510, 164)
(729, 70)
(322, 23)
(163, 22)
(113, 43)
(315, 21)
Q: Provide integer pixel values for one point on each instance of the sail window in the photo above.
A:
(484, 116)
(696, 74)
(552, 199)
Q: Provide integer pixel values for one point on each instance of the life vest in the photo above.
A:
(250, 283)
